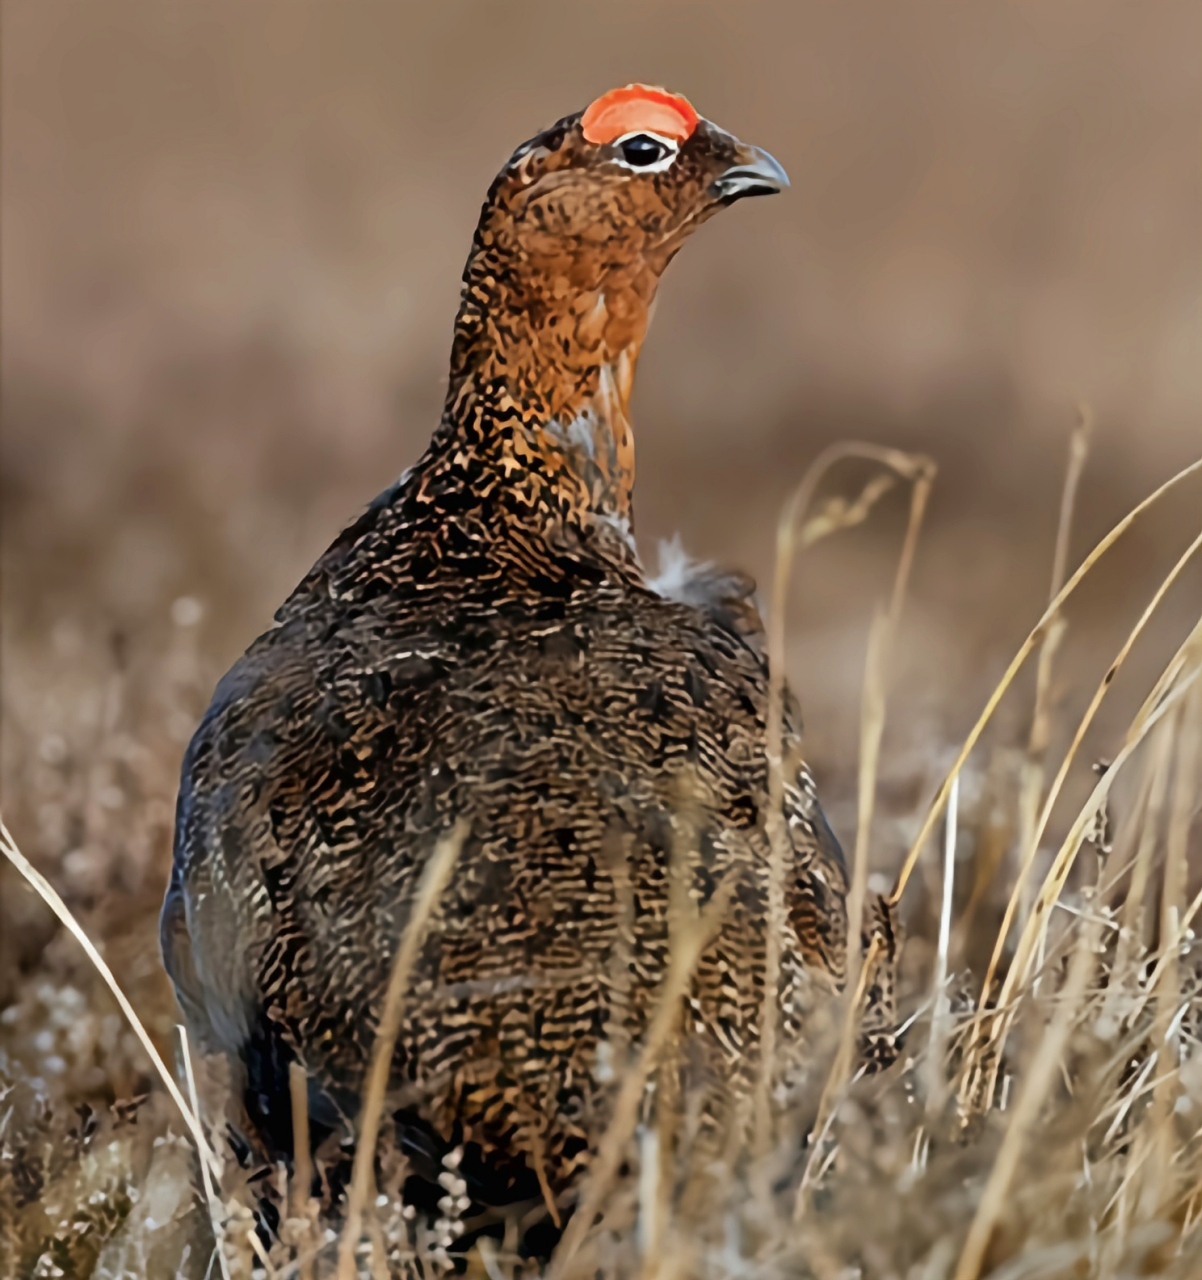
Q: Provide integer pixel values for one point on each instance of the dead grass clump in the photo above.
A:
(1035, 1111)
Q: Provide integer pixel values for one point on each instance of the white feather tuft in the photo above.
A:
(677, 570)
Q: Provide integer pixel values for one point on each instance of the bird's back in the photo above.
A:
(558, 713)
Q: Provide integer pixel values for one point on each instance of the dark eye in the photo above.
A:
(641, 150)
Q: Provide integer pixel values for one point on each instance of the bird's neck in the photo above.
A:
(541, 374)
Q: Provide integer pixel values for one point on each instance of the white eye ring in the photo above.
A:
(670, 145)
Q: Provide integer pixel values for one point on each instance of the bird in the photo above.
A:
(484, 646)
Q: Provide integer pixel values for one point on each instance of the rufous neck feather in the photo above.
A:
(542, 375)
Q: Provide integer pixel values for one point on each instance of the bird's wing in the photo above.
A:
(818, 906)
(818, 892)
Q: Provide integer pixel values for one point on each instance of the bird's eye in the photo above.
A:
(641, 150)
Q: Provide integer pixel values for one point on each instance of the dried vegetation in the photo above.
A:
(1038, 1113)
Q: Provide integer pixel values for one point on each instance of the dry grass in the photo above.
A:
(1042, 1118)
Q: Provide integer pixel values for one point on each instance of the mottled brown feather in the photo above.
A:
(483, 644)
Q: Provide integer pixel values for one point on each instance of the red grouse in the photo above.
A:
(483, 644)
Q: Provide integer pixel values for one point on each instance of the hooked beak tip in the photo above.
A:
(756, 174)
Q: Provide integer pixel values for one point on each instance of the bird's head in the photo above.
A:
(582, 220)
(627, 178)
(572, 240)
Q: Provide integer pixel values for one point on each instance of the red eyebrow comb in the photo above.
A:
(638, 108)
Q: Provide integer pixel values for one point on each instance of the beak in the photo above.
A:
(754, 173)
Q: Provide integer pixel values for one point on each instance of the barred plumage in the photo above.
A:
(483, 644)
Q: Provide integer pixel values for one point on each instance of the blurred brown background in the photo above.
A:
(232, 238)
